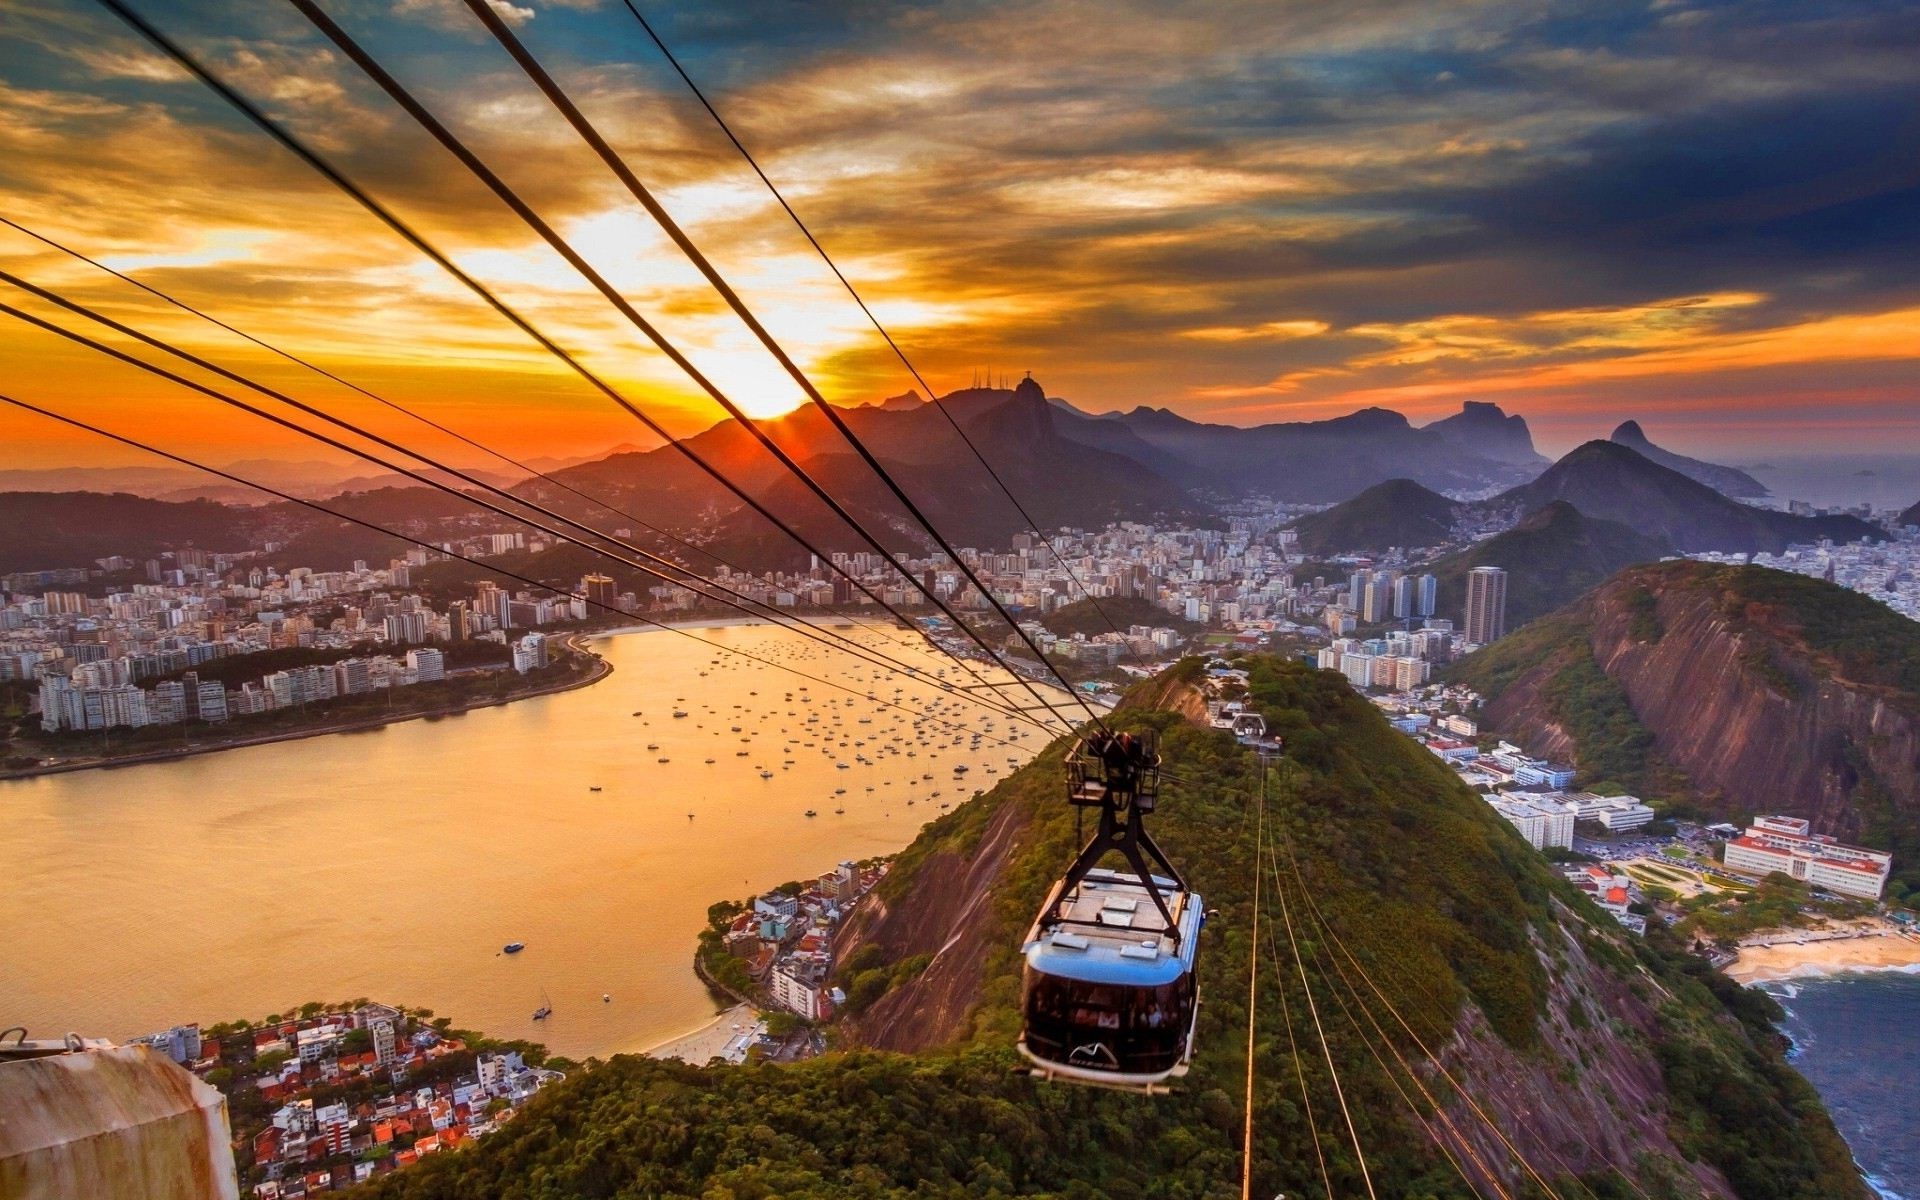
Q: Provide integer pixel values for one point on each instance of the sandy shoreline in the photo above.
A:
(711, 1040)
(1883, 951)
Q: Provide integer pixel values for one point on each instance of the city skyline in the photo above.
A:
(1681, 215)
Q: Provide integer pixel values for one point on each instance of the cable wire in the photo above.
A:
(517, 464)
(512, 199)
(1293, 1046)
(318, 507)
(1320, 1032)
(898, 351)
(387, 217)
(1341, 947)
(558, 97)
(1253, 999)
(428, 481)
(1426, 1126)
(596, 501)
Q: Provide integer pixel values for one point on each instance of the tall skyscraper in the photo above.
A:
(1429, 597)
(599, 592)
(1403, 595)
(1379, 598)
(1486, 604)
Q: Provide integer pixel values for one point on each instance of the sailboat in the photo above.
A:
(546, 1006)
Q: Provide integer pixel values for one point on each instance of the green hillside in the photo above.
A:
(1550, 558)
(1082, 616)
(1398, 512)
(1733, 690)
(1448, 910)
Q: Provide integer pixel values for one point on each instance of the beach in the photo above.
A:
(1882, 949)
(726, 1036)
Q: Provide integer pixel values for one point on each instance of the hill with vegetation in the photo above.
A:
(1613, 482)
(1550, 557)
(1398, 512)
(47, 530)
(1731, 690)
(1618, 1068)
(1909, 517)
(1082, 616)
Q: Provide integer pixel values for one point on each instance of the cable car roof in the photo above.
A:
(1112, 933)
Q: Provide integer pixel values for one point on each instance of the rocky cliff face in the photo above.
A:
(1736, 697)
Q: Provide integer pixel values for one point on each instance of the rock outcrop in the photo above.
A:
(1729, 481)
(1725, 668)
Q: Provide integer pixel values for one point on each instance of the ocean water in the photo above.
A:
(1882, 480)
(593, 825)
(1857, 1039)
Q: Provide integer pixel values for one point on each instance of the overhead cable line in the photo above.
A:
(1426, 1126)
(558, 97)
(1286, 1017)
(387, 217)
(1253, 999)
(1326, 1051)
(507, 195)
(318, 507)
(596, 501)
(517, 464)
(899, 352)
(851, 647)
(762, 608)
(1341, 947)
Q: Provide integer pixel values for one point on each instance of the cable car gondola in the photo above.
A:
(1109, 994)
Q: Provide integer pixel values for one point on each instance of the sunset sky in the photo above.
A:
(1704, 216)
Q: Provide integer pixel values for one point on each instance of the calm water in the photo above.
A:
(394, 864)
(1857, 1038)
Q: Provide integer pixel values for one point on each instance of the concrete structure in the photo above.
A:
(798, 985)
(1788, 845)
(1543, 822)
(109, 1122)
(1486, 604)
(1614, 813)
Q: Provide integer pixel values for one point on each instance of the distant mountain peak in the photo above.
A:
(1616, 482)
(1728, 481)
(906, 400)
(1486, 428)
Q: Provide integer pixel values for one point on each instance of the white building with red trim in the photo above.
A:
(1788, 845)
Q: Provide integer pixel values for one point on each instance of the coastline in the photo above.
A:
(711, 1040)
(574, 641)
(1884, 949)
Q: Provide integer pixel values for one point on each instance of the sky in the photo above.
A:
(1703, 216)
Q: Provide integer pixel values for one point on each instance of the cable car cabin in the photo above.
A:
(1109, 994)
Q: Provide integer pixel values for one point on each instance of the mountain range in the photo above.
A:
(1608, 483)
(1614, 482)
(1068, 468)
